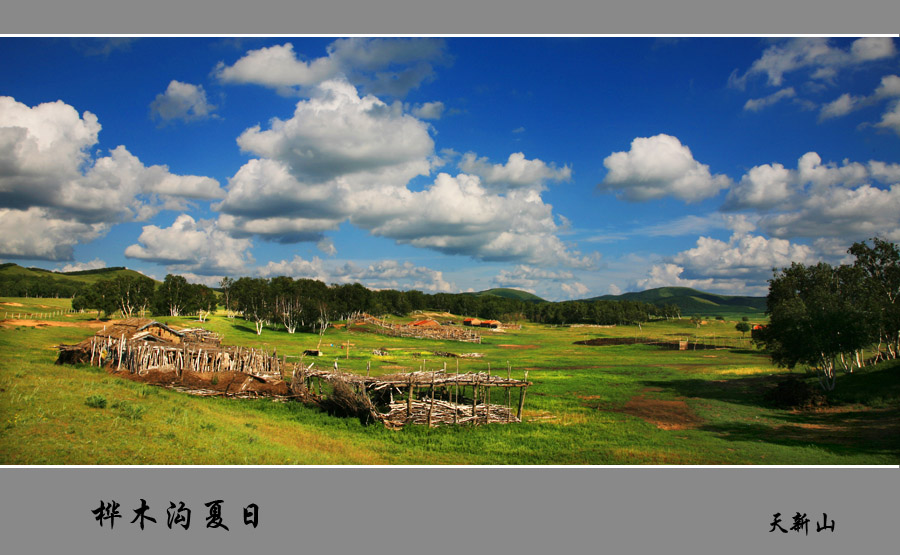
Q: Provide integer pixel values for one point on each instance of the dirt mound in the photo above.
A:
(227, 383)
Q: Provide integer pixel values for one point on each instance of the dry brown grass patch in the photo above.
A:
(666, 414)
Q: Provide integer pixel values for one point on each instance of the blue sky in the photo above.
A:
(569, 167)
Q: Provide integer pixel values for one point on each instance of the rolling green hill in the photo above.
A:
(14, 271)
(509, 294)
(16, 281)
(691, 301)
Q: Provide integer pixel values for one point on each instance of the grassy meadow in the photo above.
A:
(588, 405)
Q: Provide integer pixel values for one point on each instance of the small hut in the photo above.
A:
(135, 329)
(472, 322)
(493, 324)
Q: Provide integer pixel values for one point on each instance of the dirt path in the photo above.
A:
(53, 323)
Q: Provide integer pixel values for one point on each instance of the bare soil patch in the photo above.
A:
(667, 414)
(52, 323)
(12, 304)
(519, 346)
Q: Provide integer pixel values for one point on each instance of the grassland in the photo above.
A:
(617, 405)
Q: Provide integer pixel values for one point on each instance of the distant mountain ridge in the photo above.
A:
(11, 270)
(508, 293)
(692, 301)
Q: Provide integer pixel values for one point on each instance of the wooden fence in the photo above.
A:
(138, 357)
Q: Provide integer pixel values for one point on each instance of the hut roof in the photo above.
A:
(133, 327)
(426, 323)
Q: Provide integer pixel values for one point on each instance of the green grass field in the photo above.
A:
(614, 405)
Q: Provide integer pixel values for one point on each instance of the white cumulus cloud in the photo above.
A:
(183, 101)
(429, 110)
(891, 118)
(381, 66)
(337, 132)
(94, 264)
(342, 157)
(36, 233)
(48, 177)
(383, 274)
(757, 104)
(816, 55)
(194, 246)
(517, 172)
(657, 167)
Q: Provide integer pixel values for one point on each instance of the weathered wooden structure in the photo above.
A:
(435, 397)
(442, 333)
(432, 398)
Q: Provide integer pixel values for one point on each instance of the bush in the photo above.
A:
(129, 410)
(794, 393)
(96, 402)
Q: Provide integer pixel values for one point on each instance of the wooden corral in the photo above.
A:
(137, 330)
(441, 333)
(432, 398)
(200, 335)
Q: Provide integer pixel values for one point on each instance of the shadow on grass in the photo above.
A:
(867, 431)
(244, 327)
(748, 391)
(841, 428)
(750, 351)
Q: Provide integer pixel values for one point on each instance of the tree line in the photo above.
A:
(133, 295)
(46, 284)
(307, 304)
(824, 316)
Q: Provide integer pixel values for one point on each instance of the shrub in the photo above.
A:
(129, 410)
(794, 393)
(96, 402)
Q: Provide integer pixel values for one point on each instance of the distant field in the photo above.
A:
(616, 405)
